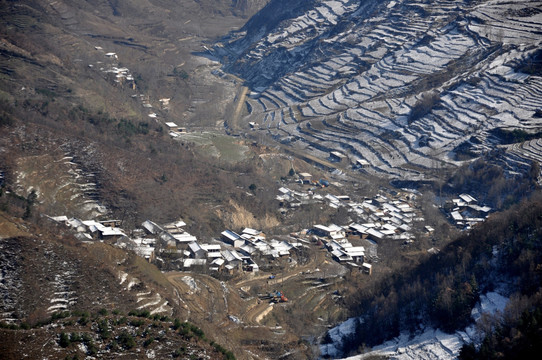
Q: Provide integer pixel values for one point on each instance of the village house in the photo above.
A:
(282, 248)
(248, 249)
(232, 258)
(212, 251)
(167, 240)
(145, 247)
(332, 231)
(375, 235)
(253, 233)
(196, 251)
(196, 264)
(151, 227)
(357, 253)
(232, 238)
(217, 264)
(250, 266)
(344, 251)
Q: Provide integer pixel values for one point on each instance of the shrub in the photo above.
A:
(64, 340)
(126, 340)
(148, 341)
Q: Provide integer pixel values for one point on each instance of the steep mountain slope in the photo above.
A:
(86, 88)
(409, 86)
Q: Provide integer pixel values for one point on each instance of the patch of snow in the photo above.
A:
(122, 277)
(157, 300)
(131, 284)
(489, 303)
(188, 280)
(337, 334)
(431, 344)
(56, 307)
(161, 309)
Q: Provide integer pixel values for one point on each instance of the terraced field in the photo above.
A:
(401, 84)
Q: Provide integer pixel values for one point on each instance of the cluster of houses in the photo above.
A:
(381, 217)
(335, 239)
(109, 231)
(251, 243)
(122, 76)
(466, 212)
(234, 252)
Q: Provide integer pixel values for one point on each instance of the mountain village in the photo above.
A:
(389, 216)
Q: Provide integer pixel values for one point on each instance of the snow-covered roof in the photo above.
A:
(248, 248)
(218, 262)
(210, 247)
(144, 251)
(354, 251)
(151, 227)
(184, 238)
(187, 263)
(359, 228)
(109, 231)
(61, 218)
(231, 255)
(467, 198)
(362, 162)
(485, 209)
(456, 216)
(194, 247)
(341, 255)
(230, 235)
(252, 232)
(375, 233)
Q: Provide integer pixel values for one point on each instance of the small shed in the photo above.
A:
(306, 178)
(172, 126)
(337, 156)
(367, 268)
(363, 164)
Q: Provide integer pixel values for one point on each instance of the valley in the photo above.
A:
(248, 179)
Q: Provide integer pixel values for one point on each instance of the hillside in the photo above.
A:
(102, 300)
(414, 88)
(86, 90)
(497, 259)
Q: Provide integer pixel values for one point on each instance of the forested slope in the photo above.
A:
(503, 254)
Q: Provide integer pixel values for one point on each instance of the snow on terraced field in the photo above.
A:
(398, 83)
